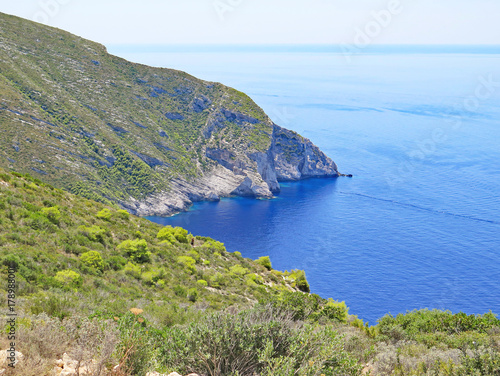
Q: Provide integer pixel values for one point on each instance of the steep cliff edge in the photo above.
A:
(152, 140)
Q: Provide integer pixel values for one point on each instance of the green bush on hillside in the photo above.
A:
(69, 278)
(136, 250)
(93, 260)
(40, 222)
(52, 213)
(214, 246)
(123, 214)
(104, 214)
(94, 233)
(413, 324)
(255, 342)
(265, 261)
(299, 280)
(192, 294)
(173, 234)
(237, 270)
(188, 262)
(333, 310)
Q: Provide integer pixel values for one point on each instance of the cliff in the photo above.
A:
(152, 140)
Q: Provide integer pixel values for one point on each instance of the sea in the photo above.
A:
(418, 224)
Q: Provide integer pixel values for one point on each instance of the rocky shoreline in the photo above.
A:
(290, 157)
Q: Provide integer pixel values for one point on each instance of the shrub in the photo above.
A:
(133, 270)
(11, 261)
(93, 260)
(300, 281)
(256, 342)
(192, 294)
(218, 280)
(202, 282)
(94, 233)
(414, 324)
(173, 234)
(104, 214)
(40, 222)
(215, 246)
(137, 351)
(69, 278)
(254, 280)
(265, 261)
(334, 310)
(116, 262)
(123, 214)
(188, 262)
(192, 253)
(53, 214)
(54, 305)
(5, 177)
(301, 306)
(238, 270)
(136, 249)
(180, 291)
(181, 235)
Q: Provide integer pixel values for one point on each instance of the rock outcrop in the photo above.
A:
(290, 157)
(151, 140)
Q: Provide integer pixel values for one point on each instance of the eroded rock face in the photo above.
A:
(151, 140)
(290, 157)
(296, 157)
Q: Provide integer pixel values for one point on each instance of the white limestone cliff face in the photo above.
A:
(290, 157)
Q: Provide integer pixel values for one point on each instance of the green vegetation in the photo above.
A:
(93, 260)
(108, 129)
(112, 289)
(136, 250)
(68, 278)
(83, 268)
(52, 236)
(265, 261)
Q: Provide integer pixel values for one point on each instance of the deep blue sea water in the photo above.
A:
(419, 224)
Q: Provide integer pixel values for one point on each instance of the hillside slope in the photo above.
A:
(57, 240)
(152, 140)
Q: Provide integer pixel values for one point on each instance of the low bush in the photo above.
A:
(104, 214)
(69, 278)
(93, 260)
(265, 261)
(261, 341)
(136, 250)
(52, 213)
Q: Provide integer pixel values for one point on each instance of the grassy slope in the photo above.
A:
(45, 241)
(188, 325)
(73, 115)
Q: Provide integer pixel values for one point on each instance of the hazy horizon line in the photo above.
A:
(312, 47)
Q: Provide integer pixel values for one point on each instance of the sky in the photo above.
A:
(350, 22)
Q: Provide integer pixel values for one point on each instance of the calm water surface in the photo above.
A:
(419, 224)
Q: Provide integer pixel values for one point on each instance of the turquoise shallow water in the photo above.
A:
(419, 224)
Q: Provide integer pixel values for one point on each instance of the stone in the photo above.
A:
(290, 157)
(68, 362)
(3, 358)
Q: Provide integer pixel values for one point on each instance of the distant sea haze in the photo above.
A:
(419, 223)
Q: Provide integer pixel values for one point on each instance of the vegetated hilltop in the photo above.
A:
(123, 296)
(152, 140)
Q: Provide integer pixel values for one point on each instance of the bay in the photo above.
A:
(419, 224)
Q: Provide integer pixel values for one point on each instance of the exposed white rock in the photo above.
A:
(67, 367)
(289, 157)
(6, 354)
